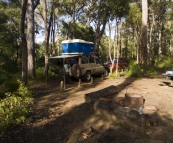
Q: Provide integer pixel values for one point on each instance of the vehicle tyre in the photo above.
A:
(106, 72)
(88, 76)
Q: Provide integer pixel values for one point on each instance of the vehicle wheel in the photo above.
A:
(88, 76)
(106, 72)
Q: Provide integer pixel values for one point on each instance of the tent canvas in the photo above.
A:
(77, 46)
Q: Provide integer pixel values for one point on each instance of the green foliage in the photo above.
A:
(151, 72)
(9, 36)
(134, 70)
(139, 71)
(166, 63)
(81, 31)
(112, 75)
(41, 77)
(8, 83)
(103, 52)
(3, 77)
(15, 106)
(40, 74)
(135, 16)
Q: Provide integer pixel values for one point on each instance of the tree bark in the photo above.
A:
(110, 45)
(150, 36)
(45, 38)
(24, 43)
(31, 41)
(144, 32)
(98, 35)
(47, 34)
(160, 42)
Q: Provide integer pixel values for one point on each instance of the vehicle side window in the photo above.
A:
(72, 61)
(84, 60)
(91, 60)
(98, 61)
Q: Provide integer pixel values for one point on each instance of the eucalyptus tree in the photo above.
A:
(72, 11)
(117, 11)
(24, 42)
(82, 31)
(31, 5)
(143, 53)
(159, 11)
(44, 14)
(143, 46)
(98, 13)
(133, 26)
(9, 36)
(170, 29)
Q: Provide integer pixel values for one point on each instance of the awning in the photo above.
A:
(63, 56)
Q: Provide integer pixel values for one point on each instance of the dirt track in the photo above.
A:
(66, 117)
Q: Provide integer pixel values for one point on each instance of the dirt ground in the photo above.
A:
(66, 117)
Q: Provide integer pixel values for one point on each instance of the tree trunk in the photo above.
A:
(47, 34)
(120, 42)
(45, 38)
(110, 45)
(53, 32)
(117, 51)
(144, 32)
(31, 43)
(150, 35)
(74, 19)
(24, 43)
(160, 42)
(99, 32)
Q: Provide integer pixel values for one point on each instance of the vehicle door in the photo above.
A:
(83, 62)
(99, 65)
(92, 64)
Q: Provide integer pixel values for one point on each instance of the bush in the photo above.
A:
(134, 70)
(8, 83)
(166, 63)
(140, 71)
(3, 77)
(15, 106)
(112, 75)
(41, 77)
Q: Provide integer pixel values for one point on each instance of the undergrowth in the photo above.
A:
(137, 71)
(14, 106)
(41, 77)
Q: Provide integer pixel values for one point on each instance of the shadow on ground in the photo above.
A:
(51, 122)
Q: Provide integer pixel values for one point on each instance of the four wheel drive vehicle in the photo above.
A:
(87, 65)
(121, 62)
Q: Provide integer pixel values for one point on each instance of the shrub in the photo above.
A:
(8, 83)
(112, 75)
(134, 70)
(15, 106)
(3, 77)
(166, 63)
(140, 71)
(41, 77)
